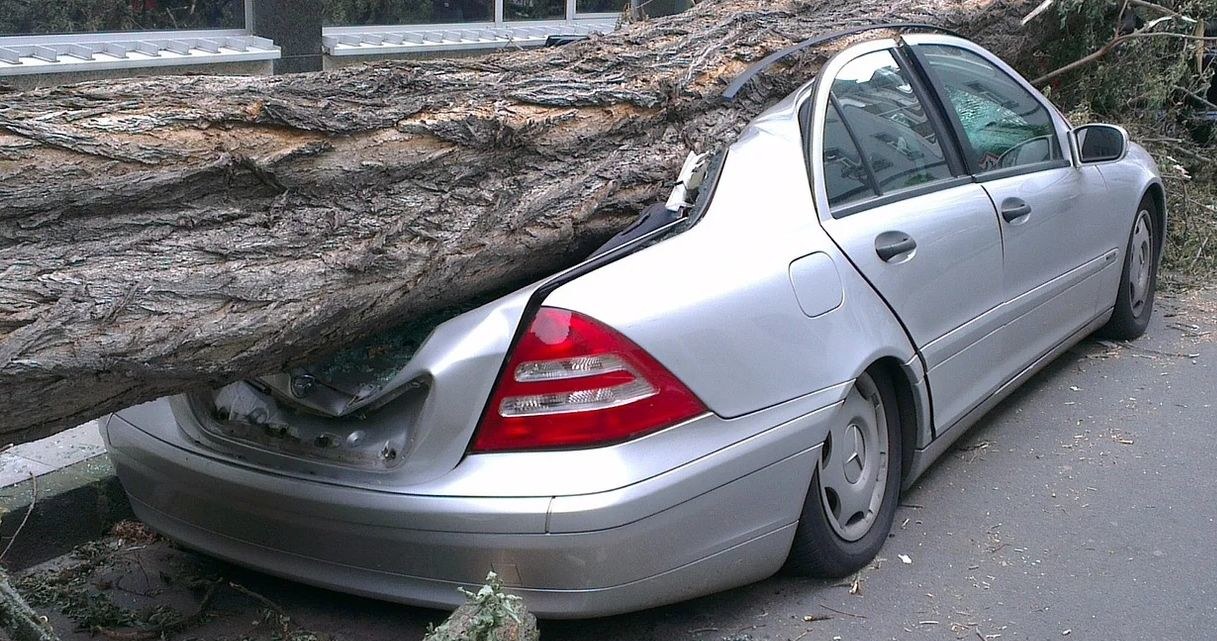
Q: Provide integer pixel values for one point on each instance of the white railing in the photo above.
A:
(21, 55)
(398, 39)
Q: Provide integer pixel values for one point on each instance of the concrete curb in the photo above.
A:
(74, 504)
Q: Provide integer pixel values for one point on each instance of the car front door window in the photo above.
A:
(1003, 124)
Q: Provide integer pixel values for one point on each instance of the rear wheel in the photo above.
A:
(849, 508)
(1135, 300)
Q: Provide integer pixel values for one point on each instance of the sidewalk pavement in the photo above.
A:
(51, 453)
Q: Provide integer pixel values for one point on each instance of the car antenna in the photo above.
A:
(739, 81)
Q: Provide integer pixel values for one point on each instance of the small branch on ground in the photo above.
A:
(282, 617)
(29, 510)
(842, 612)
(156, 632)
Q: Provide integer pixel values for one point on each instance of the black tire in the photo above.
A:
(818, 549)
(1131, 314)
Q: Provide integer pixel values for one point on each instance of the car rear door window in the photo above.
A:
(885, 117)
(1005, 126)
(846, 179)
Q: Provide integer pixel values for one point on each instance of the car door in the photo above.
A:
(895, 198)
(1050, 211)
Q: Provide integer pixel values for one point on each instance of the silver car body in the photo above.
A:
(767, 309)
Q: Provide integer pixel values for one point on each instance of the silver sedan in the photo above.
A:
(744, 381)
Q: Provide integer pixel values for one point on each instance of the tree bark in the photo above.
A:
(169, 233)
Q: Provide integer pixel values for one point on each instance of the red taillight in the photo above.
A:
(572, 382)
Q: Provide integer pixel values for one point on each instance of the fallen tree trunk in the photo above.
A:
(163, 234)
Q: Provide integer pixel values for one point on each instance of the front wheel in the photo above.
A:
(1135, 300)
(850, 506)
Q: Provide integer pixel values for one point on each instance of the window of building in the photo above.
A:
(1005, 125)
(534, 9)
(359, 13)
(32, 17)
(601, 6)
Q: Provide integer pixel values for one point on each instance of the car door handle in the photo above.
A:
(1013, 209)
(891, 244)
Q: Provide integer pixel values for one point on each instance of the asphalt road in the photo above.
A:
(1082, 507)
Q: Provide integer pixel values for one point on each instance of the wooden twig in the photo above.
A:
(29, 510)
(285, 620)
(1197, 97)
(1201, 48)
(147, 634)
(278, 609)
(1043, 6)
(1159, 8)
(1120, 18)
(1190, 154)
(1200, 252)
(848, 614)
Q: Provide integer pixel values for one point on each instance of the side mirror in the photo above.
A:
(1100, 143)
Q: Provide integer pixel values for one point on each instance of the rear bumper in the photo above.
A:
(643, 545)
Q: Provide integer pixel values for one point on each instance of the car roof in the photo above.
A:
(737, 84)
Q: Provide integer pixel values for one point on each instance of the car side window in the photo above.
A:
(846, 179)
(885, 117)
(1005, 125)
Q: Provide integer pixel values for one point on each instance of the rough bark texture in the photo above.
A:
(162, 234)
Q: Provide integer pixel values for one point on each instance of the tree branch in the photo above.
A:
(1197, 97)
(1101, 52)
(1159, 8)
